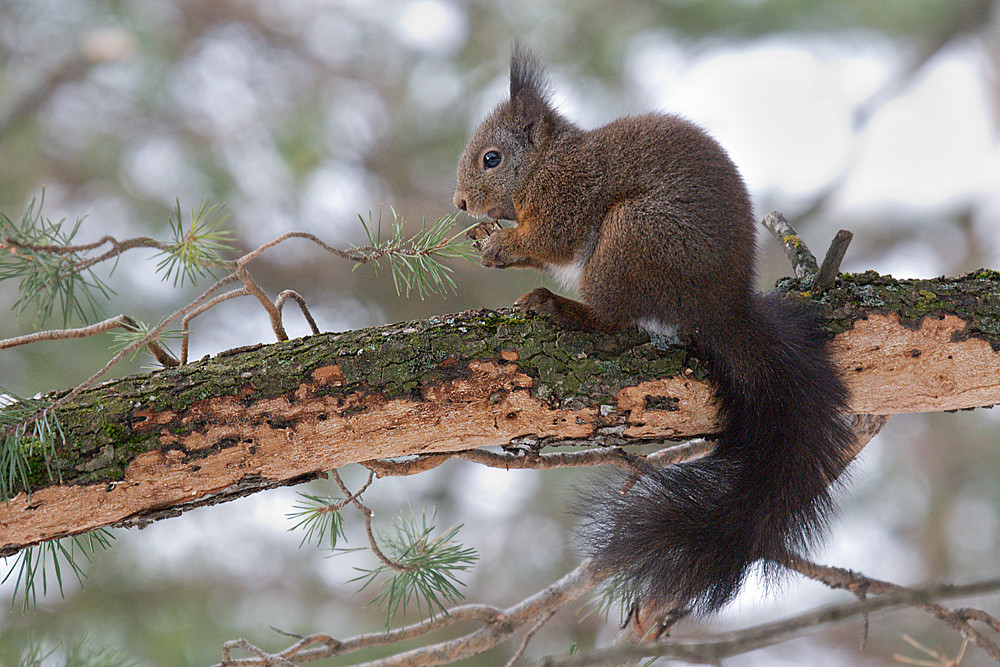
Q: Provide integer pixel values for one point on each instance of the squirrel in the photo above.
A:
(649, 220)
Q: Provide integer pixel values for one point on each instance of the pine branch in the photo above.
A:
(714, 649)
(42, 254)
(36, 565)
(499, 625)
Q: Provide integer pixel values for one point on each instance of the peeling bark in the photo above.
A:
(148, 446)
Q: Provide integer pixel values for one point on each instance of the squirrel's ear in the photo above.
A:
(528, 90)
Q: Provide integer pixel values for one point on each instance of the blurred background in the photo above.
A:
(881, 118)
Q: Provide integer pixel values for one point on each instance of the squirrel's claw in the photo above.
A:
(481, 231)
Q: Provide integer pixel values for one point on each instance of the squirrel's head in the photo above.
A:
(499, 156)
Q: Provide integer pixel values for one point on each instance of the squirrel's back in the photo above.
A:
(673, 207)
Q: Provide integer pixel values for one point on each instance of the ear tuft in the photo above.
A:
(528, 87)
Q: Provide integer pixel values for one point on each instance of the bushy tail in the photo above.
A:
(685, 535)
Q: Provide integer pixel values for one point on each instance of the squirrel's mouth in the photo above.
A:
(499, 213)
(488, 212)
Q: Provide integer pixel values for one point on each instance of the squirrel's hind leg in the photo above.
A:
(566, 312)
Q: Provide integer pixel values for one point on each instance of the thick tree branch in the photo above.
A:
(149, 446)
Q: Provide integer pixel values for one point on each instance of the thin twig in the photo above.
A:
(273, 313)
(241, 291)
(211, 303)
(344, 254)
(51, 249)
(61, 334)
(367, 513)
(119, 321)
(250, 648)
(463, 613)
(117, 248)
(681, 452)
(803, 262)
(834, 256)
(352, 497)
(979, 615)
(297, 298)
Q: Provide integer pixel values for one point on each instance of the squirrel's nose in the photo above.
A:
(460, 203)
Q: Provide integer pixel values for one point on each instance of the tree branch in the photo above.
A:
(149, 446)
(863, 586)
(501, 624)
(498, 626)
(712, 650)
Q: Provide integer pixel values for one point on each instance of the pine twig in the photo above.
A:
(498, 626)
(368, 514)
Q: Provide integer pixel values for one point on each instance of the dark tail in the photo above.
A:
(685, 535)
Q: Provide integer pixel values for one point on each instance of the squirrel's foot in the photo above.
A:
(646, 625)
(541, 301)
(566, 312)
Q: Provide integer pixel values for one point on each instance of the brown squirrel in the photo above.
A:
(649, 220)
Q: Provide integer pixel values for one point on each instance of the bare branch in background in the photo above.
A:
(863, 587)
(713, 649)
(499, 625)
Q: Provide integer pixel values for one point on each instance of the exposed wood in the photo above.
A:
(892, 369)
(150, 446)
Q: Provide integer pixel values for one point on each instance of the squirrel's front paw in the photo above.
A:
(494, 254)
(482, 231)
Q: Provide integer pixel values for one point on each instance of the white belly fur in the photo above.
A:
(658, 328)
(567, 275)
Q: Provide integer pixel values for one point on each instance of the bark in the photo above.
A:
(149, 446)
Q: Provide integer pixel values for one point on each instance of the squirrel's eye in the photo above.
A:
(491, 159)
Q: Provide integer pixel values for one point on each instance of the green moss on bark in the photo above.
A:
(974, 297)
(569, 368)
